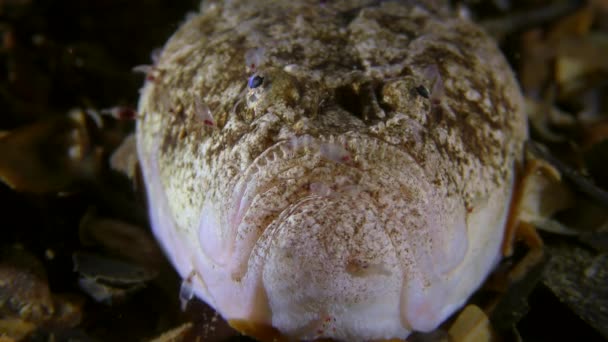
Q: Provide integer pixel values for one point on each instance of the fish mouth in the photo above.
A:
(302, 169)
(305, 179)
(277, 182)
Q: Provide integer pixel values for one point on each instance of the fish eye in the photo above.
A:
(423, 91)
(255, 81)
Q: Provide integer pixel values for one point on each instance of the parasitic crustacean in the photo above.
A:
(337, 169)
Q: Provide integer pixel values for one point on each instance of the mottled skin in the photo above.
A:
(334, 200)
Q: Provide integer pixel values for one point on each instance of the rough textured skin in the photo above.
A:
(360, 192)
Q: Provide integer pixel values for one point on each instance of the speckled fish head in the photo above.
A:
(337, 171)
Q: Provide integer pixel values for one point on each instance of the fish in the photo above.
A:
(330, 169)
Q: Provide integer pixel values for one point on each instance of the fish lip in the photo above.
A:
(313, 150)
(244, 243)
(263, 175)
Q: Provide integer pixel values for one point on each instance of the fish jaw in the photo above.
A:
(365, 264)
(364, 252)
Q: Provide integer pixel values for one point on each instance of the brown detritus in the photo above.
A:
(182, 333)
(124, 158)
(120, 239)
(508, 303)
(582, 183)
(13, 329)
(109, 280)
(69, 311)
(261, 332)
(512, 219)
(517, 21)
(24, 291)
(578, 277)
(515, 227)
(544, 117)
(527, 233)
(49, 156)
(471, 325)
(121, 113)
(111, 270)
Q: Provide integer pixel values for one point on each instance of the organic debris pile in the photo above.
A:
(78, 262)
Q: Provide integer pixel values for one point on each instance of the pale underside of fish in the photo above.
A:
(331, 169)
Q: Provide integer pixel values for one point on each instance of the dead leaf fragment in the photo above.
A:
(124, 158)
(596, 161)
(47, 156)
(512, 305)
(544, 117)
(24, 291)
(579, 278)
(68, 310)
(594, 133)
(108, 280)
(121, 239)
(471, 325)
(581, 183)
(544, 194)
(579, 62)
(111, 270)
(179, 334)
(577, 23)
(15, 329)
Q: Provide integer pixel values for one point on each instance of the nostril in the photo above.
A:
(362, 100)
(348, 99)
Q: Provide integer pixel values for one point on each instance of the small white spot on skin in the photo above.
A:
(472, 95)
(75, 152)
(94, 115)
(298, 142)
(594, 267)
(487, 102)
(119, 113)
(203, 113)
(143, 69)
(320, 189)
(251, 100)
(335, 152)
(186, 292)
(300, 22)
(155, 55)
(254, 58)
(437, 91)
(433, 76)
(190, 15)
(291, 68)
